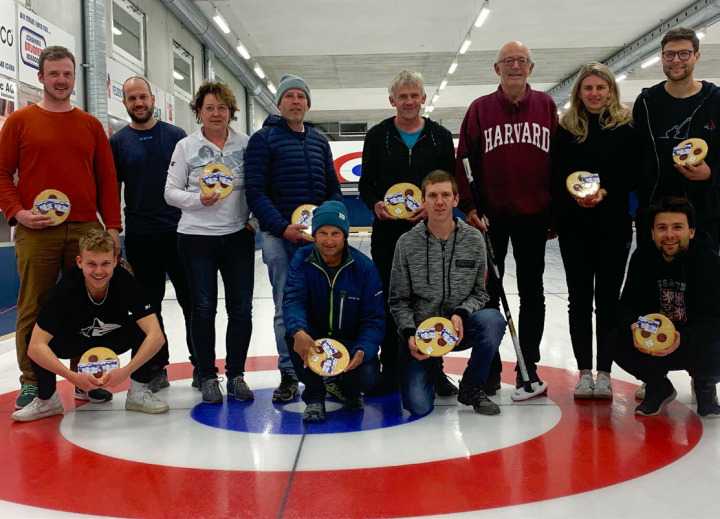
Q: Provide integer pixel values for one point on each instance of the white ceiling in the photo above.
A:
(348, 51)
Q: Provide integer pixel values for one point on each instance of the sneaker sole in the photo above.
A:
(242, 399)
(662, 405)
(37, 416)
(603, 396)
(487, 411)
(147, 410)
(86, 398)
(583, 396)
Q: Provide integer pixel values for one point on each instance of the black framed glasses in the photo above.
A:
(684, 55)
(509, 62)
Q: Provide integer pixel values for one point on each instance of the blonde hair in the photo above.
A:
(96, 240)
(406, 78)
(612, 115)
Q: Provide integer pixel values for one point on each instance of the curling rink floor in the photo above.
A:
(549, 457)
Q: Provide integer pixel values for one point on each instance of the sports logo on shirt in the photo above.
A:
(98, 329)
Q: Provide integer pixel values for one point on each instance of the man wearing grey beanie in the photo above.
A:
(288, 163)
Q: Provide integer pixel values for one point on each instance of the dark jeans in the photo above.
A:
(594, 268)
(701, 361)
(483, 332)
(71, 345)
(529, 236)
(152, 256)
(233, 255)
(354, 382)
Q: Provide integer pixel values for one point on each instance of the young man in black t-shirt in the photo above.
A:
(98, 304)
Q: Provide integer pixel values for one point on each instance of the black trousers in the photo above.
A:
(152, 257)
(594, 270)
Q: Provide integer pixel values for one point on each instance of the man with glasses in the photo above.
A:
(507, 137)
(669, 113)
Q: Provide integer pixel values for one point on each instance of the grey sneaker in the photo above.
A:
(333, 390)
(38, 409)
(585, 387)
(640, 393)
(314, 413)
(287, 390)
(211, 393)
(145, 402)
(239, 390)
(159, 382)
(603, 386)
(28, 392)
(479, 401)
(95, 396)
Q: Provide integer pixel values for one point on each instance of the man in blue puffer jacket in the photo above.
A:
(334, 291)
(287, 163)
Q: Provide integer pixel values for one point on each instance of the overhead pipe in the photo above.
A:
(96, 75)
(195, 21)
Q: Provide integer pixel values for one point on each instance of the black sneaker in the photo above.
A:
(196, 380)
(159, 382)
(492, 385)
(354, 404)
(443, 385)
(239, 390)
(476, 397)
(707, 401)
(287, 390)
(95, 396)
(211, 393)
(657, 396)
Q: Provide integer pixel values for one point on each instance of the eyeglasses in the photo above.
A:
(684, 55)
(508, 62)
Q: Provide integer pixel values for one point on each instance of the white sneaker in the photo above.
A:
(640, 393)
(38, 409)
(585, 387)
(145, 402)
(538, 388)
(603, 387)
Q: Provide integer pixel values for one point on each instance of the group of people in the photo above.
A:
(432, 264)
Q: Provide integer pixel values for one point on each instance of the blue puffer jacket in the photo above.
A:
(285, 169)
(348, 309)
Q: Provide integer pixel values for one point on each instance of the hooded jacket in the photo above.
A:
(657, 175)
(436, 278)
(285, 169)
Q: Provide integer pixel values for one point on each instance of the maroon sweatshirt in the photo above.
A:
(508, 144)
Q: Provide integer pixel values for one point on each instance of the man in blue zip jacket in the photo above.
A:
(334, 291)
(288, 163)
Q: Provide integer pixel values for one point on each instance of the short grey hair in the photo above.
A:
(406, 78)
(516, 42)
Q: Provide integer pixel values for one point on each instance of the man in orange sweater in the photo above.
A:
(53, 145)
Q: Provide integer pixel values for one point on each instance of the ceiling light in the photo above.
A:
(116, 31)
(484, 12)
(271, 87)
(465, 46)
(220, 21)
(429, 109)
(621, 77)
(700, 33)
(259, 71)
(452, 67)
(566, 105)
(242, 50)
(178, 76)
(443, 84)
(435, 98)
(650, 62)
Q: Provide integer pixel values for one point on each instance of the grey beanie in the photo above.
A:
(287, 82)
(331, 213)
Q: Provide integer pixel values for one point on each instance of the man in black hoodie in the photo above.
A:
(678, 277)
(669, 113)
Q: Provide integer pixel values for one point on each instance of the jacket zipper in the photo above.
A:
(442, 302)
(342, 308)
(409, 148)
(332, 292)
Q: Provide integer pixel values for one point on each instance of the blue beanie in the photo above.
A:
(287, 82)
(331, 213)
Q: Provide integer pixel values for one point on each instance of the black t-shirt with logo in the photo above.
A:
(70, 309)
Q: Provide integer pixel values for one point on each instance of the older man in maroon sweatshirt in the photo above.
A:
(507, 136)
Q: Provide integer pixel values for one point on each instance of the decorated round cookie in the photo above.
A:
(436, 336)
(303, 216)
(332, 361)
(402, 199)
(217, 178)
(52, 203)
(690, 152)
(98, 362)
(583, 183)
(655, 332)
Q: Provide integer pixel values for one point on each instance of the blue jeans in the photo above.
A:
(233, 255)
(483, 332)
(276, 254)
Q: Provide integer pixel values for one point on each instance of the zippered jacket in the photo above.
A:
(285, 169)
(435, 278)
(348, 308)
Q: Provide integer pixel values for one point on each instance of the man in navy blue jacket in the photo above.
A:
(288, 163)
(334, 291)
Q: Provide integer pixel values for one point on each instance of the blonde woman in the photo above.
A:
(595, 232)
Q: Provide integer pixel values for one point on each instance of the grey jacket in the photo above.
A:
(434, 278)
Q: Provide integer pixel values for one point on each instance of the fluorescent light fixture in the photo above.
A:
(566, 105)
(177, 75)
(220, 21)
(435, 98)
(242, 50)
(465, 46)
(700, 33)
(484, 12)
(621, 77)
(429, 109)
(259, 71)
(443, 84)
(271, 87)
(452, 67)
(116, 31)
(650, 62)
